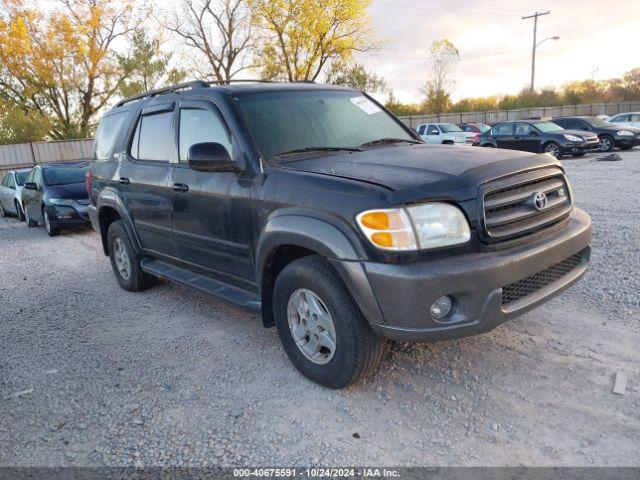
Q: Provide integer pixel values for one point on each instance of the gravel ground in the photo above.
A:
(173, 377)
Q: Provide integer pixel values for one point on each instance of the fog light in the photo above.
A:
(441, 307)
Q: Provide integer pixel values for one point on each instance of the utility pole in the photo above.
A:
(535, 34)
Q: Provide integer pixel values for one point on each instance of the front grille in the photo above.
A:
(510, 207)
(525, 287)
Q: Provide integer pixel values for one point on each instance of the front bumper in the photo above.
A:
(63, 216)
(395, 298)
(626, 141)
(570, 148)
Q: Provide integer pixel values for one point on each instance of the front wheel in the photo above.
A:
(606, 143)
(321, 328)
(124, 261)
(51, 229)
(553, 148)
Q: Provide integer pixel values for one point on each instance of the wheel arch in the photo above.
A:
(110, 208)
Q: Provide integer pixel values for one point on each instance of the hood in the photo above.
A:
(74, 191)
(413, 171)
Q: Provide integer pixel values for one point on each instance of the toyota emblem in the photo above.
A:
(539, 200)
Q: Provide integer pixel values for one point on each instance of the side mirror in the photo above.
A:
(31, 186)
(210, 157)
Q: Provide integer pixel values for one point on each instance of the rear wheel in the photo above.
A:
(553, 148)
(606, 143)
(125, 262)
(49, 226)
(321, 328)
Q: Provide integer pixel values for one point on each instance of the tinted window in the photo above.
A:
(548, 127)
(11, 183)
(620, 118)
(524, 129)
(635, 117)
(198, 126)
(433, 130)
(285, 121)
(469, 128)
(569, 123)
(449, 127)
(64, 175)
(505, 129)
(421, 129)
(107, 134)
(152, 140)
(21, 177)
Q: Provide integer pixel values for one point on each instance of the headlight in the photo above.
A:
(624, 133)
(417, 227)
(61, 201)
(572, 138)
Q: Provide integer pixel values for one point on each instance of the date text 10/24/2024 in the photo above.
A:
(318, 472)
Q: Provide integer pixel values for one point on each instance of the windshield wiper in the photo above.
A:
(382, 141)
(318, 149)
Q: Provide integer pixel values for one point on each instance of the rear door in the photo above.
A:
(211, 210)
(144, 178)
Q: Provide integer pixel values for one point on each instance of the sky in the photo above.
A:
(598, 39)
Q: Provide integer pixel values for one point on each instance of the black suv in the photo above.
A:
(317, 208)
(610, 135)
(539, 136)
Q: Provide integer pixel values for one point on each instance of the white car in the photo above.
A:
(631, 119)
(11, 193)
(446, 133)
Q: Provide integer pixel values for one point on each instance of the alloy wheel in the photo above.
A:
(311, 326)
(121, 258)
(605, 144)
(553, 149)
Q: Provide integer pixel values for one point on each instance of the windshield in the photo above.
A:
(21, 177)
(64, 175)
(285, 121)
(548, 126)
(596, 122)
(449, 127)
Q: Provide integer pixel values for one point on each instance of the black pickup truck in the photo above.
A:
(316, 207)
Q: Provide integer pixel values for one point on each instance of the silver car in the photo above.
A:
(11, 193)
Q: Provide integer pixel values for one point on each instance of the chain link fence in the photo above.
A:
(523, 113)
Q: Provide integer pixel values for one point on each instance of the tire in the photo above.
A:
(578, 154)
(20, 211)
(553, 148)
(489, 145)
(51, 229)
(30, 223)
(357, 350)
(606, 143)
(125, 262)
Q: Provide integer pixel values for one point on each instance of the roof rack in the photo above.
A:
(194, 84)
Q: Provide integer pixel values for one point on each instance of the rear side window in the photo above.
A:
(107, 135)
(153, 140)
(506, 129)
(199, 126)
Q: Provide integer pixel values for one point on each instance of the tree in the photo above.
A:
(19, 125)
(219, 31)
(146, 67)
(62, 64)
(299, 37)
(355, 76)
(443, 59)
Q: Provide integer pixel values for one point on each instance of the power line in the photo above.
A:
(445, 10)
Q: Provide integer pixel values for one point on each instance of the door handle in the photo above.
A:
(180, 187)
(124, 181)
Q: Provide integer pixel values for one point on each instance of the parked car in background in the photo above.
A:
(631, 119)
(442, 133)
(610, 135)
(314, 206)
(56, 195)
(11, 193)
(474, 127)
(539, 136)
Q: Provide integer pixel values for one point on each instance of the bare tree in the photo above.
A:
(443, 59)
(220, 30)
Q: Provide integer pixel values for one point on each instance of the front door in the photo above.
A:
(526, 138)
(504, 136)
(144, 179)
(211, 210)
(33, 198)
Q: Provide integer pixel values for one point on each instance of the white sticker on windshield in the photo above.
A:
(366, 105)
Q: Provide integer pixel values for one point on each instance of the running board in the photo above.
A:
(229, 293)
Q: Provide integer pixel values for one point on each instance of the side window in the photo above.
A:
(468, 128)
(5, 180)
(620, 118)
(199, 126)
(421, 129)
(504, 129)
(153, 139)
(107, 135)
(433, 130)
(635, 117)
(11, 182)
(523, 129)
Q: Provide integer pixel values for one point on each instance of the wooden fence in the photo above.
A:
(26, 155)
(591, 109)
